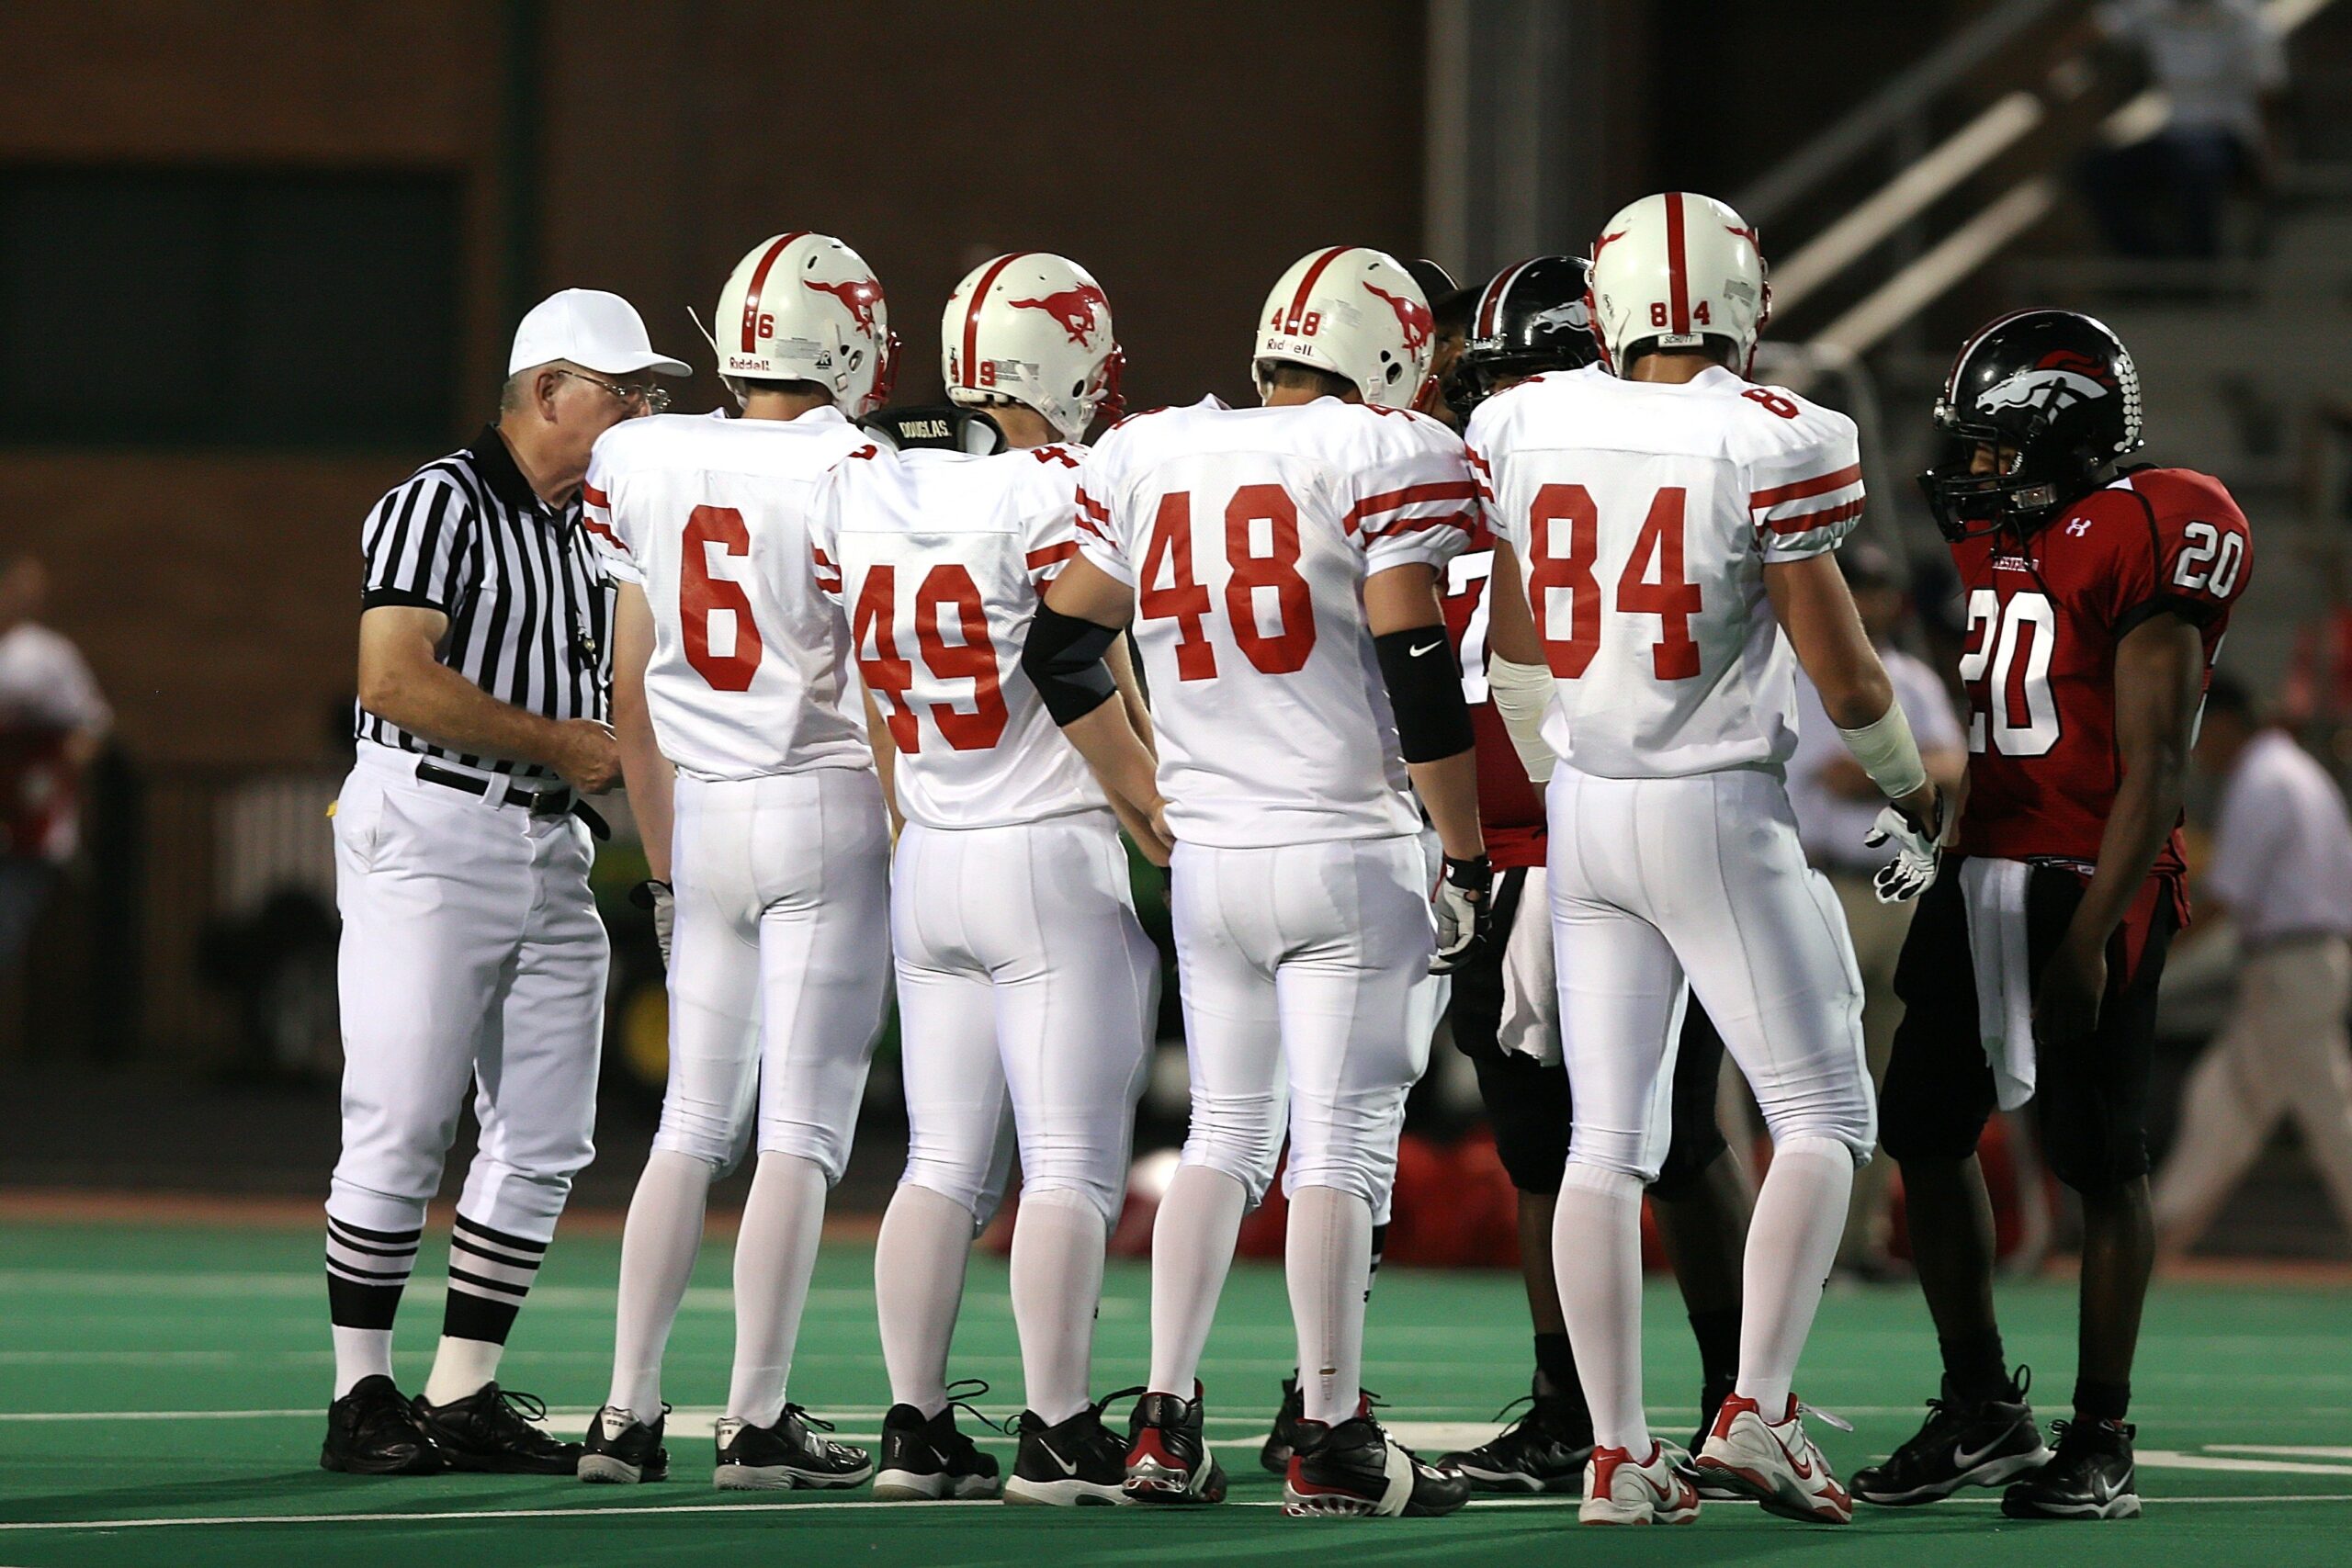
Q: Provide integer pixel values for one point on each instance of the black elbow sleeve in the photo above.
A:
(1063, 659)
(1425, 689)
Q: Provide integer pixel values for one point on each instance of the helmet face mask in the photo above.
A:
(2055, 394)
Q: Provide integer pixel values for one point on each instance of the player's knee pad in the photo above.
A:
(1694, 1146)
(1527, 1108)
(1845, 1111)
(1622, 1153)
(1915, 1123)
(1242, 1144)
(2088, 1145)
(1086, 1197)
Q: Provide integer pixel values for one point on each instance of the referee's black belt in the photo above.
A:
(558, 802)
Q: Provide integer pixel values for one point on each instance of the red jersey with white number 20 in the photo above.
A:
(749, 671)
(941, 559)
(2043, 622)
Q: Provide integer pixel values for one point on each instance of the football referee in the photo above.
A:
(472, 954)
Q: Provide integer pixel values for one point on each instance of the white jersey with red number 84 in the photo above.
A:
(940, 559)
(1247, 534)
(1644, 514)
(750, 670)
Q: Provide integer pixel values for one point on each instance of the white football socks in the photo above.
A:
(1327, 1257)
(1058, 1240)
(918, 1263)
(1791, 1242)
(460, 1368)
(1596, 1257)
(657, 1247)
(360, 1353)
(1192, 1249)
(776, 1253)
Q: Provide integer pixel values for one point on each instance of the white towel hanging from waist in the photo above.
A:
(1994, 893)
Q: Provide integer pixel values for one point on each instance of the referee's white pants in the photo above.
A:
(776, 972)
(471, 950)
(1661, 886)
(1306, 974)
(1027, 991)
(2282, 1053)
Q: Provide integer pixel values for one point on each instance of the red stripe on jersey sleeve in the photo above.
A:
(1372, 506)
(593, 496)
(1052, 555)
(1087, 525)
(1798, 490)
(1398, 527)
(605, 534)
(1828, 517)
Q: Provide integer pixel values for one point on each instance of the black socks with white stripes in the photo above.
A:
(490, 1275)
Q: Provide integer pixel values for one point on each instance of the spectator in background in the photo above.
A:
(1835, 802)
(2221, 65)
(2282, 868)
(52, 721)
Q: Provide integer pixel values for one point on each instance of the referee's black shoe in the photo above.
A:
(622, 1450)
(1960, 1444)
(373, 1431)
(490, 1431)
(2090, 1477)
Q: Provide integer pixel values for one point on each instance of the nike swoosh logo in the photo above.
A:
(1963, 1459)
(1432, 647)
(1803, 1467)
(1068, 1468)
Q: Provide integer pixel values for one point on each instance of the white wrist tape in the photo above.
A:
(1887, 753)
(1522, 694)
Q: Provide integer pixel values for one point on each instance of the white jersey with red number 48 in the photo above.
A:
(1247, 534)
(1644, 514)
(940, 559)
(750, 670)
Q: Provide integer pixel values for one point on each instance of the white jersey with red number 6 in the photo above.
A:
(1644, 514)
(940, 559)
(750, 670)
(1247, 534)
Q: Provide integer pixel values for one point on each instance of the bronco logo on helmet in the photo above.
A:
(1074, 309)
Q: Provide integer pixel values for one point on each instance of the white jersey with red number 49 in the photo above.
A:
(940, 559)
(750, 668)
(1247, 534)
(1644, 514)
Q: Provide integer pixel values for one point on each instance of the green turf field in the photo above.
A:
(161, 1390)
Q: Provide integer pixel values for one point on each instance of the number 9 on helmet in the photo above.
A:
(1356, 314)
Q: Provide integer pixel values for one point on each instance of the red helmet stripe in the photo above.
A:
(1306, 286)
(1491, 307)
(759, 282)
(972, 315)
(1677, 272)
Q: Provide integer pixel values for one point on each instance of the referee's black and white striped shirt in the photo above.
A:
(530, 610)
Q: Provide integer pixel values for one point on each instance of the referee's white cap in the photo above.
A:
(590, 327)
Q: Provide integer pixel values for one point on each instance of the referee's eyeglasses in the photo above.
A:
(645, 398)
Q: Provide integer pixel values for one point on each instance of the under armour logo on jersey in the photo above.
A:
(2079, 526)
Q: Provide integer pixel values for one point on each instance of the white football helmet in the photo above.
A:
(804, 307)
(1032, 328)
(1355, 312)
(1673, 270)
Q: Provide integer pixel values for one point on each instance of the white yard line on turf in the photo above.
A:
(821, 1508)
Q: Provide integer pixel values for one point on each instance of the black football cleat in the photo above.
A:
(932, 1461)
(2090, 1476)
(1356, 1470)
(373, 1430)
(1275, 1453)
(787, 1457)
(492, 1431)
(621, 1450)
(1543, 1450)
(1960, 1445)
(1075, 1464)
(1167, 1461)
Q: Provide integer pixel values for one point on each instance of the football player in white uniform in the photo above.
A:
(1025, 983)
(729, 659)
(1675, 522)
(1280, 565)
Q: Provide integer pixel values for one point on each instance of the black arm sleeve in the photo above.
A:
(1063, 659)
(1425, 689)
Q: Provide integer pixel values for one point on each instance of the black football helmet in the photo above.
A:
(2053, 392)
(1530, 318)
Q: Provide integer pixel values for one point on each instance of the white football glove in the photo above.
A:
(1916, 854)
(1465, 906)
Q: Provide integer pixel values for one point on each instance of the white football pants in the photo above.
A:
(1661, 886)
(471, 952)
(1305, 970)
(777, 977)
(1025, 985)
